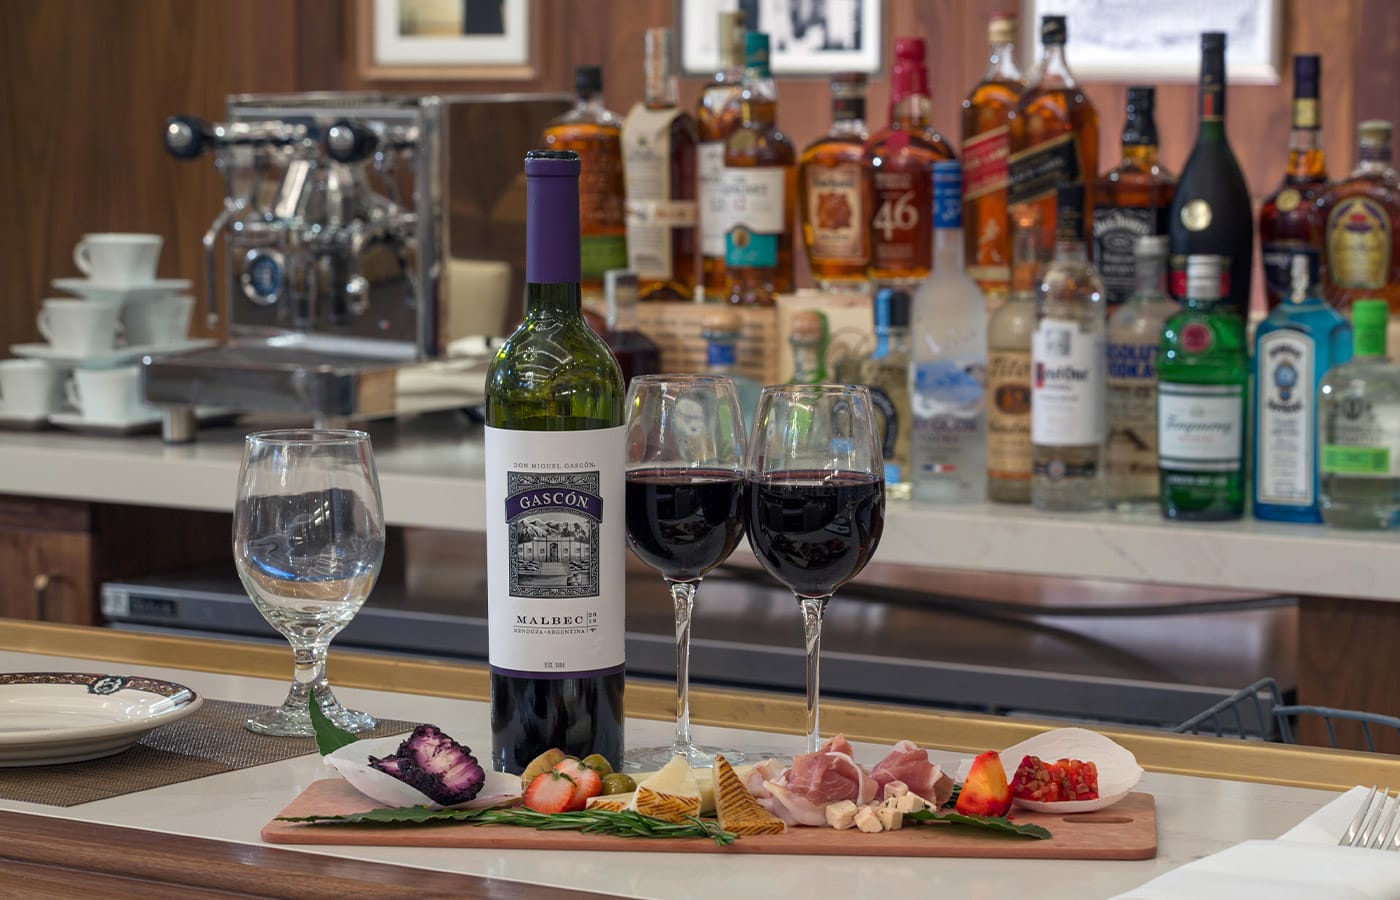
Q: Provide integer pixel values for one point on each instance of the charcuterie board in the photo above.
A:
(1127, 830)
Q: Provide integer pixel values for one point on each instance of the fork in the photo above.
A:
(1375, 824)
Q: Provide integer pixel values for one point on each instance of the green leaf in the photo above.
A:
(992, 823)
(329, 736)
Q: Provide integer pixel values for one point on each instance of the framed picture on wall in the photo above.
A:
(446, 39)
(806, 37)
(1148, 40)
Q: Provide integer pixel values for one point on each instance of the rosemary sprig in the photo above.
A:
(590, 821)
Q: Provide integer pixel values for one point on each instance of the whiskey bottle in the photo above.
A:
(759, 183)
(1362, 226)
(1009, 333)
(986, 144)
(1068, 365)
(808, 338)
(831, 189)
(1131, 202)
(1054, 134)
(898, 161)
(1288, 223)
(721, 329)
(1358, 410)
(1293, 348)
(1134, 334)
(886, 372)
(716, 116)
(658, 155)
(636, 353)
(595, 134)
(1211, 214)
(1202, 368)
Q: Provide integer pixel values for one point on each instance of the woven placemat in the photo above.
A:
(210, 741)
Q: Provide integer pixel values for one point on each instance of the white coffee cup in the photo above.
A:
(108, 395)
(118, 259)
(79, 327)
(159, 320)
(30, 388)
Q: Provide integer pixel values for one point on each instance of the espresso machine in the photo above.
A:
(368, 248)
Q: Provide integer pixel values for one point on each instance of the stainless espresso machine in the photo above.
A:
(365, 239)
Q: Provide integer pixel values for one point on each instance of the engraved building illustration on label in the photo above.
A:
(553, 524)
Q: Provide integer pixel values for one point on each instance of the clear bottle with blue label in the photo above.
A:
(721, 329)
(886, 372)
(949, 361)
(1293, 349)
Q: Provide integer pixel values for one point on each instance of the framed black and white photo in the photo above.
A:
(1149, 40)
(806, 37)
(449, 39)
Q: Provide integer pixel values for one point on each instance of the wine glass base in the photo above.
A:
(284, 722)
(649, 759)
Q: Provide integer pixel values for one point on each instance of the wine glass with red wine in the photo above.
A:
(816, 500)
(685, 510)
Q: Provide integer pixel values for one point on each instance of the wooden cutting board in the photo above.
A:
(1127, 830)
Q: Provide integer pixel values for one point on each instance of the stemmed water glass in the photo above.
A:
(308, 540)
(685, 512)
(816, 500)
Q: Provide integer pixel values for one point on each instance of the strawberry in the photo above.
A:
(984, 791)
(587, 781)
(550, 792)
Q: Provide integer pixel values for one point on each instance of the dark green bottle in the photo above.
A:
(1202, 371)
(555, 460)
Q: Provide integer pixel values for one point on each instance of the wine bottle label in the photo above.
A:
(1200, 427)
(1365, 440)
(1116, 230)
(1009, 415)
(903, 206)
(985, 163)
(836, 215)
(651, 210)
(1286, 432)
(1277, 260)
(554, 540)
(755, 206)
(1067, 385)
(709, 160)
(1132, 409)
(1038, 170)
(1359, 244)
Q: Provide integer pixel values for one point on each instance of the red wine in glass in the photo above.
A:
(684, 522)
(815, 531)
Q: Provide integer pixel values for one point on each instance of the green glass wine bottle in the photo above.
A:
(554, 499)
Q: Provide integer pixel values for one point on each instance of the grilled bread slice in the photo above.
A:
(736, 808)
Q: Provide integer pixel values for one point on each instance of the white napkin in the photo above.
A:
(1304, 864)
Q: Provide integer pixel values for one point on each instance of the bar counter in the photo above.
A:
(1256, 792)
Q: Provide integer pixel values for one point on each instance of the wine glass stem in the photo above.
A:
(310, 672)
(683, 596)
(812, 609)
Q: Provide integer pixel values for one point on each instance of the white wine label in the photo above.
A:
(1286, 432)
(646, 158)
(709, 160)
(554, 542)
(1200, 427)
(1067, 385)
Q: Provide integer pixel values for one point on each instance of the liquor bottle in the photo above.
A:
(1202, 368)
(554, 417)
(1134, 334)
(1361, 255)
(721, 329)
(1009, 333)
(1294, 347)
(986, 144)
(636, 353)
(595, 134)
(1054, 135)
(898, 159)
(949, 361)
(759, 183)
(1210, 214)
(658, 155)
(1130, 202)
(886, 372)
(1358, 409)
(808, 336)
(716, 116)
(1288, 223)
(1068, 366)
(831, 189)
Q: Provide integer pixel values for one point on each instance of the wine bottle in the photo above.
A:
(554, 500)
(1211, 213)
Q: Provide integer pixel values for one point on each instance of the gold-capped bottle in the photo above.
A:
(832, 191)
(1361, 215)
(716, 117)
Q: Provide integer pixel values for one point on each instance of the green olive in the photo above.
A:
(618, 783)
(598, 763)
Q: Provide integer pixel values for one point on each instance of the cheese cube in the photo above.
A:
(868, 821)
(909, 803)
(890, 819)
(841, 815)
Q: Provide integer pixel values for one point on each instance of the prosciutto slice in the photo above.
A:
(908, 763)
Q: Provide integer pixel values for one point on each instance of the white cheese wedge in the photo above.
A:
(841, 815)
(612, 802)
(670, 794)
(868, 821)
(705, 781)
(890, 819)
(909, 803)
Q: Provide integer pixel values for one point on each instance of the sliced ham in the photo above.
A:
(790, 806)
(908, 763)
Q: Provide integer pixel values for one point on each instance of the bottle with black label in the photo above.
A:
(1288, 220)
(1131, 201)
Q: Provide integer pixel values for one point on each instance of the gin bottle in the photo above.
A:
(721, 329)
(1134, 333)
(1068, 366)
(1293, 348)
(1201, 374)
(886, 372)
(1358, 409)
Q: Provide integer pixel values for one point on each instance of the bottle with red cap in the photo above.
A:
(899, 161)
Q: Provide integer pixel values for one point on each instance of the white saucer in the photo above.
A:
(121, 293)
(113, 356)
(145, 422)
(10, 421)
